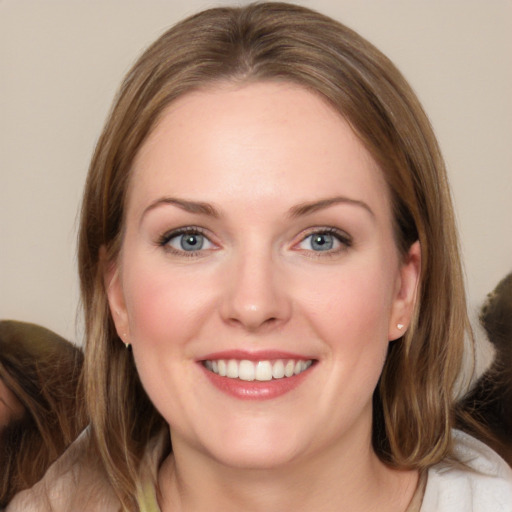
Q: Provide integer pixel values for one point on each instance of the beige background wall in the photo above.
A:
(61, 61)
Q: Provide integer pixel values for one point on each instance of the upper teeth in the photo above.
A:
(257, 370)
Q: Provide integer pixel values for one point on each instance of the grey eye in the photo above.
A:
(322, 242)
(188, 242)
(191, 242)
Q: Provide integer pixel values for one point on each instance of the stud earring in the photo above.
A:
(400, 326)
(126, 343)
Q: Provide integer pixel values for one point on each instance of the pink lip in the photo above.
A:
(255, 390)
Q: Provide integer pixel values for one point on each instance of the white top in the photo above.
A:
(454, 488)
(482, 484)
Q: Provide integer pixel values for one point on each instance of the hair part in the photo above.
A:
(282, 42)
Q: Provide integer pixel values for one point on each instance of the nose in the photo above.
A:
(255, 295)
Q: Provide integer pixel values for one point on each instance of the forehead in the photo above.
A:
(252, 141)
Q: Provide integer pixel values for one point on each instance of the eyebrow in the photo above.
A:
(197, 207)
(202, 208)
(308, 208)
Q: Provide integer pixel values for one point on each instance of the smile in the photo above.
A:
(263, 371)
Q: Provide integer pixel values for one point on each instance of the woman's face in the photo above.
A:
(258, 282)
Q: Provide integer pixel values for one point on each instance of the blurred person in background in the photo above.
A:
(41, 403)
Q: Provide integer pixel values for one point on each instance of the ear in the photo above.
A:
(115, 296)
(405, 293)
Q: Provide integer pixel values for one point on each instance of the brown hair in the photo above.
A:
(43, 371)
(283, 42)
(490, 399)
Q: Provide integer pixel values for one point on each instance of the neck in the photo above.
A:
(349, 477)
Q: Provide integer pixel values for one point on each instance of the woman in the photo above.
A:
(41, 405)
(267, 228)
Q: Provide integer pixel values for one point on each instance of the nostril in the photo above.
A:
(255, 323)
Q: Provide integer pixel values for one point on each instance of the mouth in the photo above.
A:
(260, 371)
(261, 375)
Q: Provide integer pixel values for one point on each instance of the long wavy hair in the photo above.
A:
(413, 410)
(43, 371)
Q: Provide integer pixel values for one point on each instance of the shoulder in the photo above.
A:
(74, 482)
(482, 482)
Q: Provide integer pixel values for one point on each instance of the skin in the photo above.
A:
(10, 407)
(256, 154)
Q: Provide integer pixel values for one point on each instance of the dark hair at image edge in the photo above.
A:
(282, 42)
(43, 371)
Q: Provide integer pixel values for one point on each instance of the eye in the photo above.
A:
(326, 240)
(186, 240)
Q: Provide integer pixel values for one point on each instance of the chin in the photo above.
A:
(257, 457)
(264, 446)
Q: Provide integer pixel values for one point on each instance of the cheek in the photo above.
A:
(349, 311)
(167, 311)
(165, 306)
(352, 307)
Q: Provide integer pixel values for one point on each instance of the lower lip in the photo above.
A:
(256, 390)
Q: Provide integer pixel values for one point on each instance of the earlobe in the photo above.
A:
(406, 293)
(115, 296)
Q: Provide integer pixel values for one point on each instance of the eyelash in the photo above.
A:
(343, 238)
(164, 240)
